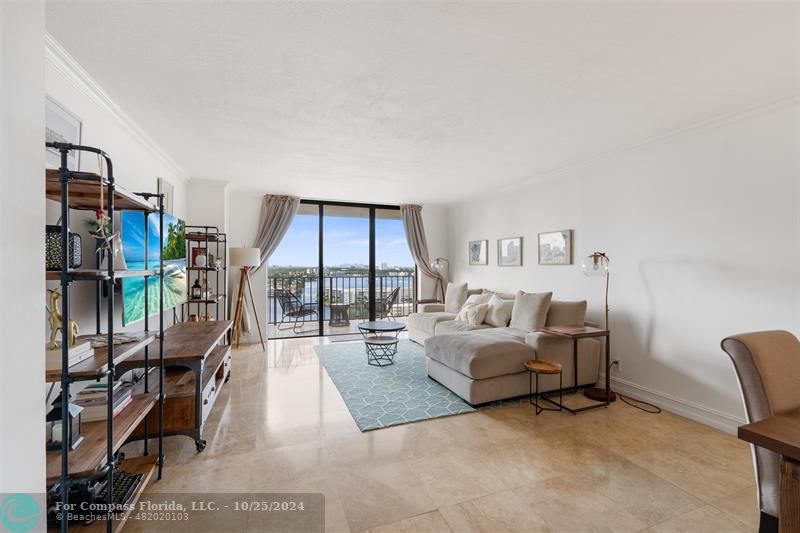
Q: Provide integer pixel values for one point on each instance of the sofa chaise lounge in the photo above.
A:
(483, 362)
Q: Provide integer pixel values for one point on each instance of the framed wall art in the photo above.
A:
(555, 247)
(509, 251)
(479, 252)
(60, 125)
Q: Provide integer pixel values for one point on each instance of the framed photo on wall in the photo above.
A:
(555, 247)
(168, 190)
(479, 252)
(509, 251)
(60, 125)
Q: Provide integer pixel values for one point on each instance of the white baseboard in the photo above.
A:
(699, 413)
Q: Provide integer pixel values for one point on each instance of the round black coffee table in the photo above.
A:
(380, 341)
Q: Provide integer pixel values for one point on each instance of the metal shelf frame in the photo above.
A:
(204, 237)
(104, 284)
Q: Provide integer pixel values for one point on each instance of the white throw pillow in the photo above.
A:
(473, 314)
(477, 299)
(499, 312)
(530, 310)
(454, 297)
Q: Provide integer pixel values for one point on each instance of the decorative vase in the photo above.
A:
(200, 260)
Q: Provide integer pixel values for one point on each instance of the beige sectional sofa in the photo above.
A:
(484, 363)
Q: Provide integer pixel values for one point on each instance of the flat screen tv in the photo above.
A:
(173, 243)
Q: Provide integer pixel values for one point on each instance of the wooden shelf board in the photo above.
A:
(187, 341)
(205, 269)
(84, 193)
(212, 300)
(93, 274)
(91, 452)
(145, 465)
(179, 382)
(212, 363)
(201, 237)
(95, 366)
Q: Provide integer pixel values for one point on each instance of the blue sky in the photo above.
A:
(346, 241)
(133, 235)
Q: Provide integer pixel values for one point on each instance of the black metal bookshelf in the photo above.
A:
(204, 237)
(73, 470)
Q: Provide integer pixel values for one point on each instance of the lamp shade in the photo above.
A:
(595, 264)
(440, 265)
(245, 257)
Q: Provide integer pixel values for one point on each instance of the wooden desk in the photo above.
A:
(781, 434)
(576, 333)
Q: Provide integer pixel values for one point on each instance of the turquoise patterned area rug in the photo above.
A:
(379, 397)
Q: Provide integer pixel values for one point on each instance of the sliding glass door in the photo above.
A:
(345, 267)
(339, 264)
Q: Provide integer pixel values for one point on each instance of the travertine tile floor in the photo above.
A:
(280, 426)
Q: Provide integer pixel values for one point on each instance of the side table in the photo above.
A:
(577, 333)
(340, 315)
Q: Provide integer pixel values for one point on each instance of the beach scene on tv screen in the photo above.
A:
(133, 248)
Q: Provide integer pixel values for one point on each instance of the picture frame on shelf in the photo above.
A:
(61, 125)
(555, 247)
(478, 252)
(509, 251)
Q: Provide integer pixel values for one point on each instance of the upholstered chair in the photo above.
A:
(768, 367)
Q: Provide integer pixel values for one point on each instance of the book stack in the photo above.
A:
(81, 351)
(94, 400)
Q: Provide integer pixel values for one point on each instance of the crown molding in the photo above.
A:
(58, 57)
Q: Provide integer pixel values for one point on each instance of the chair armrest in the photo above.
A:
(430, 308)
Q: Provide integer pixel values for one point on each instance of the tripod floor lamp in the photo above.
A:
(247, 259)
(596, 265)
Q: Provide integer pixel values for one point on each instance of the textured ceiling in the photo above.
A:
(423, 102)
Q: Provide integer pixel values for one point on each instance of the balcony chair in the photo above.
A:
(293, 308)
(383, 308)
(767, 364)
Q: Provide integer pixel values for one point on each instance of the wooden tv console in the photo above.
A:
(197, 362)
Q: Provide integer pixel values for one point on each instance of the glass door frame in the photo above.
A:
(372, 269)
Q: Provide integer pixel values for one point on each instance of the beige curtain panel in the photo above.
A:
(417, 243)
(277, 213)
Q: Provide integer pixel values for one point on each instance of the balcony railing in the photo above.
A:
(350, 290)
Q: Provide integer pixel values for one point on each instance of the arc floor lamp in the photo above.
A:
(596, 265)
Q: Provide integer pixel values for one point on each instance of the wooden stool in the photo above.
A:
(536, 367)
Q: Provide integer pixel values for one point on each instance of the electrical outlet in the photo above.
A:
(617, 365)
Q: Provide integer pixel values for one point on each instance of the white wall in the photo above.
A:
(244, 211)
(704, 239)
(207, 203)
(22, 243)
(138, 161)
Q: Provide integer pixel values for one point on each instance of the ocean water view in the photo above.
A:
(133, 290)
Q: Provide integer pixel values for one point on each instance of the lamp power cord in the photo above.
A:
(638, 404)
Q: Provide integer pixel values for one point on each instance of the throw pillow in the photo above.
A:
(530, 310)
(474, 314)
(566, 313)
(477, 299)
(499, 312)
(454, 297)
